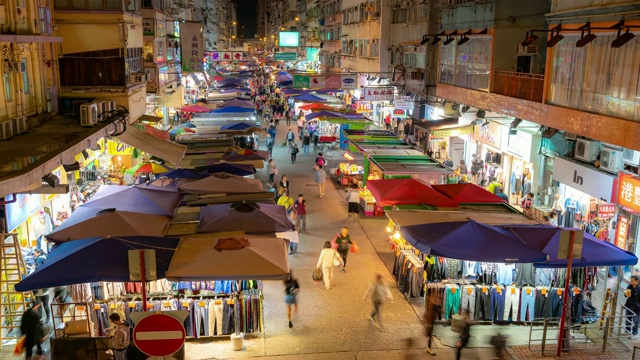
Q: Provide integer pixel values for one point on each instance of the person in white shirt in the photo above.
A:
(327, 261)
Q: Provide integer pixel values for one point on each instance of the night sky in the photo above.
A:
(247, 17)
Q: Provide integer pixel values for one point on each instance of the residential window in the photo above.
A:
(25, 76)
(597, 77)
(8, 87)
(374, 48)
(467, 65)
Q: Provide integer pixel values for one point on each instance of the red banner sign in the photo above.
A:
(606, 210)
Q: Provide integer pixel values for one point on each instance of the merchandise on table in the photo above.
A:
(350, 174)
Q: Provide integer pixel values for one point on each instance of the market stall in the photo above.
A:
(404, 166)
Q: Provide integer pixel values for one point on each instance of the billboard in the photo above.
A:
(289, 39)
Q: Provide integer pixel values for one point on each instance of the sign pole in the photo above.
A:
(143, 273)
(565, 295)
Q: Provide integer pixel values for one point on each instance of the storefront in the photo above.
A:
(583, 197)
(488, 136)
(520, 163)
(627, 218)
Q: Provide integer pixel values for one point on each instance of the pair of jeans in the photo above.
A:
(293, 157)
(483, 303)
(527, 303)
(451, 300)
(120, 354)
(272, 177)
(512, 299)
(45, 306)
(497, 303)
(468, 299)
(293, 247)
(375, 313)
(343, 254)
(301, 223)
(305, 149)
(632, 321)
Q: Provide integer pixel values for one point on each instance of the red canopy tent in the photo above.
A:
(467, 193)
(389, 192)
(315, 106)
(195, 109)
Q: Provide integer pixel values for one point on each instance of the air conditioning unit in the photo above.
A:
(570, 136)
(111, 105)
(631, 157)
(19, 125)
(137, 78)
(6, 129)
(101, 109)
(611, 160)
(528, 49)
(587, 150)
(88, 114)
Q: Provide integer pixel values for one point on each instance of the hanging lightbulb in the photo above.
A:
(396, 235)
(389, 229)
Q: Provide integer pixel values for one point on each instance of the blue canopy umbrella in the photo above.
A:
(309, 98)
(470, 240)
(250, 217)
(187, 125)
(239, 126)
(595, 252)
(97, 259)
(285, 83)
(183, 174)
(233, 169)
(231, 110)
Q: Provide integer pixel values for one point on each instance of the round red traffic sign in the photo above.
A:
(159, 335)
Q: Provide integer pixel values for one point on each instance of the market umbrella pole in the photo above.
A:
(143, 271)
(564, 333)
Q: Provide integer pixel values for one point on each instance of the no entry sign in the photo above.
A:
(159, 335)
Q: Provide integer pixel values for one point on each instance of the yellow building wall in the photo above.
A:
(93, 31)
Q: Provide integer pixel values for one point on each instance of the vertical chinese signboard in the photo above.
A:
(622, 232)
(191, 44)
(629, 197)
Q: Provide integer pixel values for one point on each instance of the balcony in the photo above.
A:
(97, 5)
(518, 85)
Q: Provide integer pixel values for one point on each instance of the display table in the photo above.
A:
(93, 348)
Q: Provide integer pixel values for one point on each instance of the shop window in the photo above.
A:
(147, 51)
(8, 87)
(375, 48)
(597, 77)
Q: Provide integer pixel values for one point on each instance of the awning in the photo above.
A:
(162, 149)
(150, 118)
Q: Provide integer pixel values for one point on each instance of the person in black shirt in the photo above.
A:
(32, 329)
(633, 304)
(291, 289)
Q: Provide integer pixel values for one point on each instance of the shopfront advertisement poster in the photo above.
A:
(629, 192)
(489, 133)
(24, 206)
(584, 178)
(301, 82)
(518, 145)
(381, 93)
(332, 82)
(349, 82)
(192, 47)
(606, 211)
(317, 82)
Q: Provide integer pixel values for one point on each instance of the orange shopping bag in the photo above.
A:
(19, 349)
(354, 248)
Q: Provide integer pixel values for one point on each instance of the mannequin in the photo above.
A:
(41, 225)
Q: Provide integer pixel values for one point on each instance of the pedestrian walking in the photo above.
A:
(294, 151)
(300, 206)
(465, 333)
(320, 178)
(269, 143)
(329, 259)
(353, 199)
(499, 343)
(286, 201)
(306, 140)
(120, 337)
(290, 136)
(378, 293)
(632, 293)
(429, 319)
(273, 170)
(409, 344)
(32, 330)
(344, 242)
(284, 184)
(527, 203)
(291, 290)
